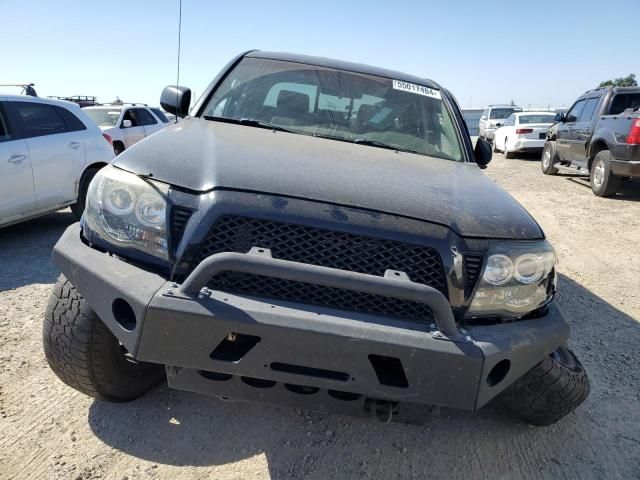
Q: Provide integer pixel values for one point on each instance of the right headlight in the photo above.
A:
(518, 277)
(128, 211)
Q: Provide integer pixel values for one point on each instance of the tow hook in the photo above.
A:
(381, 410)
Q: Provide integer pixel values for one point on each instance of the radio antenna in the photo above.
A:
(179, 38)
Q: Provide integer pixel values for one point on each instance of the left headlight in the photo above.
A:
(519, 277)
(127, 211)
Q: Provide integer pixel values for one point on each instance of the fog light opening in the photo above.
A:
(257, 382)
(498, 372)
(124, 315)
(344, 396)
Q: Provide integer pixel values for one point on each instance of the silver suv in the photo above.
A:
(492, 118)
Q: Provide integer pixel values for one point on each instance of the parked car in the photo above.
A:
(127, 124)
(492, 118)
(320, 234)
(49, 152)
(599, 135)
(523, 132)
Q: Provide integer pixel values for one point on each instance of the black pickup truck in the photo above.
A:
(600, 134)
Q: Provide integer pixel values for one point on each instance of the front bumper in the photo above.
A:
(265, 350)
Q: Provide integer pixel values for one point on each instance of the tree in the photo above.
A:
(629, 81)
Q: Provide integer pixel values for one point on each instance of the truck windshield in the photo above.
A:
(102, 117)
(339, 105)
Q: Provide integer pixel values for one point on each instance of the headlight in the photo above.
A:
(517, 278)
(127, 211)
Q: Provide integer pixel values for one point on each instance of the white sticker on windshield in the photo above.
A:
(419, 89)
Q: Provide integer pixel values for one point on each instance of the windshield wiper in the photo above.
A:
(376, 143)
(249, 122)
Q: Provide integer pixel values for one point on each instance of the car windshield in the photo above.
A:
(501, 112)
(103, 117)
(337, 104)
(538, 118)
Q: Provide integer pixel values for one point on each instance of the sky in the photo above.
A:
(534, 53)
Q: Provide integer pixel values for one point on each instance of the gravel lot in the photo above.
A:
(50, 431)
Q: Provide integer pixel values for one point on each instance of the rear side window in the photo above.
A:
(622, 101)
(5, 131)
(145, 117)
(158, 113)
(576, 111)
(38, 119)
(73, 123)
(589, 108)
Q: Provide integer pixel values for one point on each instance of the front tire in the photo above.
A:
(84, 353)
(550, 390)
(603, 182)
(549, 159)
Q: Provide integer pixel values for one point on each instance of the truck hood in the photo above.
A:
(203, 155)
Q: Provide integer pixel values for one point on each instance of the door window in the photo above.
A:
(510, 122)
(72, 122)
(39, 119)
(5, 132)
(132, 116)
(163, 118)
(145, 117)
(575, 111)
(589, 108)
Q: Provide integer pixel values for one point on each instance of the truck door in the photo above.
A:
(582, 131)
(563, 134)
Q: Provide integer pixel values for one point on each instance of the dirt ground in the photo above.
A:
(48, 431)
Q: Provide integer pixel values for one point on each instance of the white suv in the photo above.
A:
(492, 118)
(49, 152)
(127, 124)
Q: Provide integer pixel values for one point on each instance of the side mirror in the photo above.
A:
(498, 124)
(126, 123)
(482, 153)
(176, 100)
(559, 117)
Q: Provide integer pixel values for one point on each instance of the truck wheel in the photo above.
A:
(84, 353)
(78, 208)
(603, 182)
(550, 390)
(507, 153)
(549, 159)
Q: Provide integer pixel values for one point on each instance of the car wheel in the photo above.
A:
(495, 147)
(507, 153)
(84, 353)
(550, 390)
(549, 159)
(603, 182)
(78, 208)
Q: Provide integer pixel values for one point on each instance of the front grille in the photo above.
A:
(334, 249)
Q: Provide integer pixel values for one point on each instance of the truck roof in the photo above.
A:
(343, 65)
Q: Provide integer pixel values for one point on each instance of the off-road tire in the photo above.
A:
(550, 390)
(84, 353)
(78, 208)
(609, 184)
(548, 167)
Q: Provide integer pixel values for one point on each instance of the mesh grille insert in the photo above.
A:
(334, 249)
